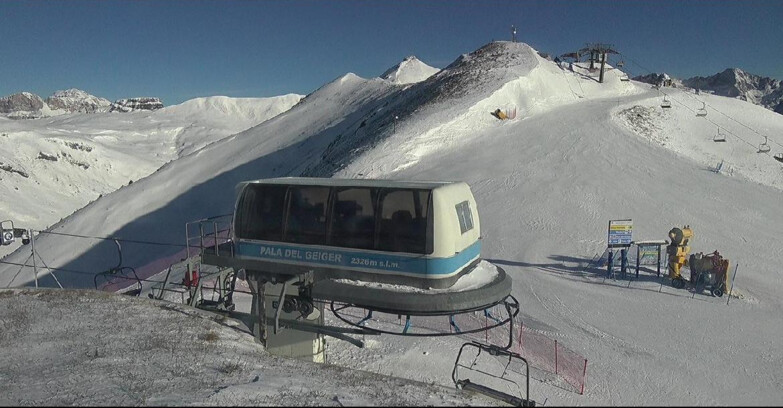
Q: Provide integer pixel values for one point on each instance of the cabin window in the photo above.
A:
(261, 212)
(306, 222)
(353, 218)
(465, 217)
(403, 223)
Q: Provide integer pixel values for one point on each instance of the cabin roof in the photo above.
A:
(337, 182)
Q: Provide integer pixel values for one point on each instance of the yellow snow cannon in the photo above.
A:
(677, 252)
(500, 114)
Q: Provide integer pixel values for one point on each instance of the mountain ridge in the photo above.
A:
(731, 83)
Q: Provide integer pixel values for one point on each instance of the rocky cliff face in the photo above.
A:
(134, 104)
(736, 83)
(662, 79)
(733, 83)
(21, 102)
(75, 100)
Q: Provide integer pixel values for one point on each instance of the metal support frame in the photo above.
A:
(258, 308)
(332, 331)
(467, 385)
(510, 303)
(162, 287)
(658, 245)
(280, 301)
(35, 268)
(368, 317)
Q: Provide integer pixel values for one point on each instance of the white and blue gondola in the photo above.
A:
(413, 233)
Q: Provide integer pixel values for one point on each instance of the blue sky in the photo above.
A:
(178, 50)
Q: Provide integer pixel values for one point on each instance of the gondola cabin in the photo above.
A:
(422, 234)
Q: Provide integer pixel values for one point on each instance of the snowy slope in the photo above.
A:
(206, 115)
(546, 187)
(410, 70)
(55, 166)
(201, 184)
(546, 184)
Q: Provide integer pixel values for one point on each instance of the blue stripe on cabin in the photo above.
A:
(356, 259)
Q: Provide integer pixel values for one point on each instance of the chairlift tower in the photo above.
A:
(596, 51)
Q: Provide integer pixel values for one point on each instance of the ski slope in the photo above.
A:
(61, 163)
(578, 154)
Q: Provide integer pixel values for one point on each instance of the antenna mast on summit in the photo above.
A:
(513, 33)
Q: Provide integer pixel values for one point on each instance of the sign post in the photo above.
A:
(619, 236)
(649, 253)
(620, 233)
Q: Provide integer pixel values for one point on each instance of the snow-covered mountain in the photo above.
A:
(76, 100)
(658, 79)
(22, 105)
(23, 101)
(53, 166)
(577, 154)
(136, 104)
(409, 71)
(733, 83)
(736, 83)
(26, 105)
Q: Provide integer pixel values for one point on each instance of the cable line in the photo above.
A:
(755, 146)
(111, 239)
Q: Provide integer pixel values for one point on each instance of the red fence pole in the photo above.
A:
(584, 375)
(555, 356)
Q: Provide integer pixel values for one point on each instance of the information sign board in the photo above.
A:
(620, 233)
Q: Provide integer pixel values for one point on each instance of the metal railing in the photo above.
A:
(208, 233)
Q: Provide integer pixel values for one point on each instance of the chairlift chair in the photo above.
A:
(666, 103)
(719, 137)
(703, 110)
(112, 277)
(499, 355)
(624, 78)
(764, 147)
(7, 232)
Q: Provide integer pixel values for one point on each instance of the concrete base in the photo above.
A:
(286, 342)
